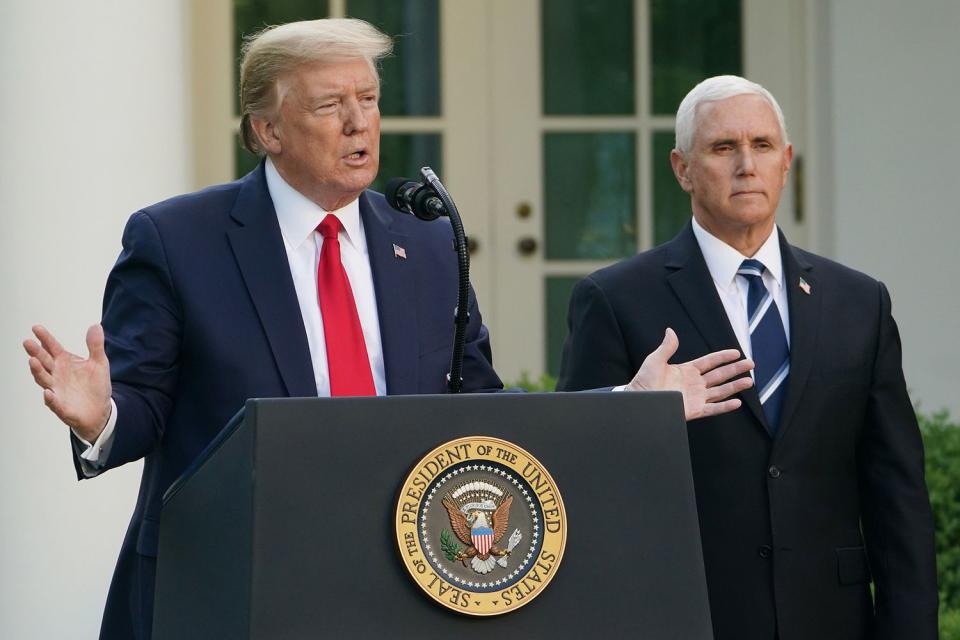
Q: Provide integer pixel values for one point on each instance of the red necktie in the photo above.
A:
(346, 350)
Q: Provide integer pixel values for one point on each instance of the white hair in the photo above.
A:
(711, 90)
(271, 54)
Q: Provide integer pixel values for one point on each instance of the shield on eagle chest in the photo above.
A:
(482, 539)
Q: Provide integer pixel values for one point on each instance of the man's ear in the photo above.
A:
(679, 164)
(787, 162)
(268, 134)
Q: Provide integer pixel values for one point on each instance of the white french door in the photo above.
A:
(550, 122)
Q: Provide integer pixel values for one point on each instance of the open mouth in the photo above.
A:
(357, 155)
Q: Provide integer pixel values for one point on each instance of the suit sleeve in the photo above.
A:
(897, 520)
(478, 372)
(595, 354)
(142, 324)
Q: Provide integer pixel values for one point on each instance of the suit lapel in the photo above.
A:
(690, 280)
(804, 323)
(258, 248)
(395, 287)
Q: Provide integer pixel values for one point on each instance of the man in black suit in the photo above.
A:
(816, 484)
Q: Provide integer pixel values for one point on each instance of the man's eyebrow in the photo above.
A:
(316, 98)
(733, 141)
(336, 93)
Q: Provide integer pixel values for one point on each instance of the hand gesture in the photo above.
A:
(705, 382)
(76, 389)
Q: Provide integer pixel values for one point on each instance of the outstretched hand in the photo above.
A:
(706, 383)
(76, 389)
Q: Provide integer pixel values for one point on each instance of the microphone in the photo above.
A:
(428, 200)
(415, 198)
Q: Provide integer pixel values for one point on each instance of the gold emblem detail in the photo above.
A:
(480, 526)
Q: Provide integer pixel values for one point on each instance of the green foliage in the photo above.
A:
(941, 441)
(449, 545)
(949, 624)
(545, 382)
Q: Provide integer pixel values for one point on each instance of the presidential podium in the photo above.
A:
(285, 525)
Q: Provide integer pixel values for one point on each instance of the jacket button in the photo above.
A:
(765, 551)
(773, 472)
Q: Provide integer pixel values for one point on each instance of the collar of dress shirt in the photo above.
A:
(723, 261)
(299, 216)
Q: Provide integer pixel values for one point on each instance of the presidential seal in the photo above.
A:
(480, 526)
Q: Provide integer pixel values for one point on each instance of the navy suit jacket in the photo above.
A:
(792, 526)
(200, 314)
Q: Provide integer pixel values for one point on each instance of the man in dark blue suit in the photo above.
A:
(815, 486)
(214, 298)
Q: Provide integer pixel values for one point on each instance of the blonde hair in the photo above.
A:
(274, 52)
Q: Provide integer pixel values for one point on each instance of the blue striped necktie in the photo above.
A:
(771, 355)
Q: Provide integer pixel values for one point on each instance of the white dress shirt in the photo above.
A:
(299, 217)
(723, 261)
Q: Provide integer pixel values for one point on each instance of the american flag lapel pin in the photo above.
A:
(804, 285)
(400, 252)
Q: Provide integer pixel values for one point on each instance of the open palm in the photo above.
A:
(706, 383)
(76, 389)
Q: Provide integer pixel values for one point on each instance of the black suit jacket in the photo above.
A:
(792, 526)
(200, 313)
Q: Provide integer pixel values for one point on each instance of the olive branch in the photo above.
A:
(449, 545)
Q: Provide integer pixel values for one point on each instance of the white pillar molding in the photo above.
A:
(96, 125)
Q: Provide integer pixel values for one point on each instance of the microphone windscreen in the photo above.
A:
(393, 191)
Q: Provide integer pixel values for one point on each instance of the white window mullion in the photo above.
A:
(642, 49)
(338, 8)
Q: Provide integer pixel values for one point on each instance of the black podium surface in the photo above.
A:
(285, 526)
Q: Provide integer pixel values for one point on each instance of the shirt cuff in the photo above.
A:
(620, 388)
(95, 455)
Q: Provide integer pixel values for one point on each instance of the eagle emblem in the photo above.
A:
(479, 516)
(462, 554)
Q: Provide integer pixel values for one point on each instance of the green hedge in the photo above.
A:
(941, 439)
(544, 383)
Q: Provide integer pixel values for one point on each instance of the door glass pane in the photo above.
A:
(243, 161)
(671, 204)
(410, 79)
(692, 40)
(402, 155)
(587, 57)
(558, 289)
(250, 16)
(590, 195)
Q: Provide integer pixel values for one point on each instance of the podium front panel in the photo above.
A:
(290, 520)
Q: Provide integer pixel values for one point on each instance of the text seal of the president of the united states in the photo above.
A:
(480, 526)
